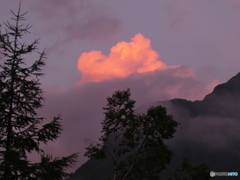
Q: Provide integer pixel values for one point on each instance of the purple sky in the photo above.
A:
(200, 36)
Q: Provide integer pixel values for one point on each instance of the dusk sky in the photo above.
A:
(161, 49)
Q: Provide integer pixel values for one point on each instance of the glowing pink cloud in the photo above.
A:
(124, 59)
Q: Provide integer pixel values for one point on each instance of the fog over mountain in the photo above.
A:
(209, 133)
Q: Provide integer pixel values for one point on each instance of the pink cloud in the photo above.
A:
(124, 59)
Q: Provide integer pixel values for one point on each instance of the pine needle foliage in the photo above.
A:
(21, 129)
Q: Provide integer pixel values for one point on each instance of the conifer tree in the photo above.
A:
(21, 129)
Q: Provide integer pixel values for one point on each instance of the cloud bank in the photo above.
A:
(81, 106)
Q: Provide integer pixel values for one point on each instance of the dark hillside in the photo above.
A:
(209, 132)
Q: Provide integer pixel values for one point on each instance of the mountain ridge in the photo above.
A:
(224, 96)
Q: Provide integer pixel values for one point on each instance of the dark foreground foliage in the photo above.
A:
(134, 142)
(189, 172)
(21, 129)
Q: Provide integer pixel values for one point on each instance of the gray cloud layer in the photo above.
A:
(78, 20)
(81, 107)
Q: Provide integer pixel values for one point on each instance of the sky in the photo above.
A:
(161, 49)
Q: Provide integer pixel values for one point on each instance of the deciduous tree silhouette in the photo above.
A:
(134, 142)
(21, 130)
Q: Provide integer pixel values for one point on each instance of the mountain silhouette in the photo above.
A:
(223, 101)
(209, 133)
